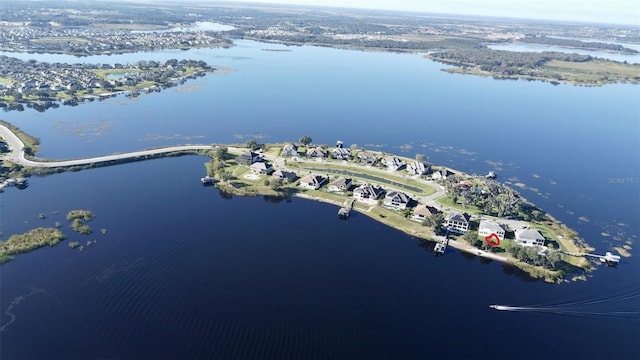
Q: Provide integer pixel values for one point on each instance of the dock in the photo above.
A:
(207, 180)
(608, 258)
(345, 212)
(441, 244)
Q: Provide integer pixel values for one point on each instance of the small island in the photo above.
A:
(472, 213)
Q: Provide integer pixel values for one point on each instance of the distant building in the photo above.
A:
(290, 150)
(422, 212)
(418, 168)
(261, 168)
(284, 175)
(392, 163)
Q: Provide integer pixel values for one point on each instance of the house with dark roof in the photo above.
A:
(396, 200)
(261, 168)
(317, 152)
(341, 184)
(340, 153)
(392, 163)
(422, 212)
(457, 222)
(368, 192)
(312, 181)
(366, 158)
(247, 158)
(285, 175)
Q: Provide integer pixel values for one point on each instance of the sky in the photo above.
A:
(600, 11)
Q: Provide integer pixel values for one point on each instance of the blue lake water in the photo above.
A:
(184, 272)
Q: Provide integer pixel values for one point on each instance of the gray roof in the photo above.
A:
(456, 216)
(491, 226)
(528, 234)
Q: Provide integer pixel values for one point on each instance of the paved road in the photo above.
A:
(17, 156)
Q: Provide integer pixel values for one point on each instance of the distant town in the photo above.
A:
(112, 28)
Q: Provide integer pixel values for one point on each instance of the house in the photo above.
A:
(341, 184)
(528, 237)
(341, 153)
(396, 200)
(392, 163)
(366, 158)
(442, 174)
(422, 212)
(261, 168)
(368, 192)
(317, 152)
(418, 168)
(290, 150)
(487, 228)
(457, 222)
(312, 181)
(247, 158)
(284, 175)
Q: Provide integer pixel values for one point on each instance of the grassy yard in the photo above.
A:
(597, 71)
(470, 209)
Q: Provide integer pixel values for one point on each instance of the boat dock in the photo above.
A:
(608, 258)
(441, 244)
(207, 180)
(345, 212)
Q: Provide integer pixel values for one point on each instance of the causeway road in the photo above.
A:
(17, 155)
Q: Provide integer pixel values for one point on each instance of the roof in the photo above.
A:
(491, 226)
(425, 210)
(456, 216)
(400, 196)
(528, 234)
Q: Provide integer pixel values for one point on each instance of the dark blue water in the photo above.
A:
(183, 272)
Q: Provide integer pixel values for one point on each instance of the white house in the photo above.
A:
(442, 174)
(528, 237)
(396, 200)
(290, 150)
(487, 228)
(457, 222)
(417, 168)
(392, 163)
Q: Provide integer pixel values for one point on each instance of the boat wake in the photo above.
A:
(625, 305)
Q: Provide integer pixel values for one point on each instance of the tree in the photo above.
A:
(305, 140)
(276, 183)
(470, 236)
(254, 145)
(221, 153)
(421, 157)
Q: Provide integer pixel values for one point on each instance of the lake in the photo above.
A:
(183, 271)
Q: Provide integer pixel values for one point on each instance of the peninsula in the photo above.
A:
(475, 214)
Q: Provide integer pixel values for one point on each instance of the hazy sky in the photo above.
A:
(602, 11)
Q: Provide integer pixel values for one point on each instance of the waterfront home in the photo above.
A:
(528, 237)
(366, 158)
(396, 200)
(317, 152)
(421, 212)
(290, 150)
(247, 158)
(285, 175)
(392, 163)
(487, 228)
(341, 184)
(261, 168)
(418, 168)
(341, 153)
(312, 181)
(457, 222)
(442, 174)
(368, 192)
